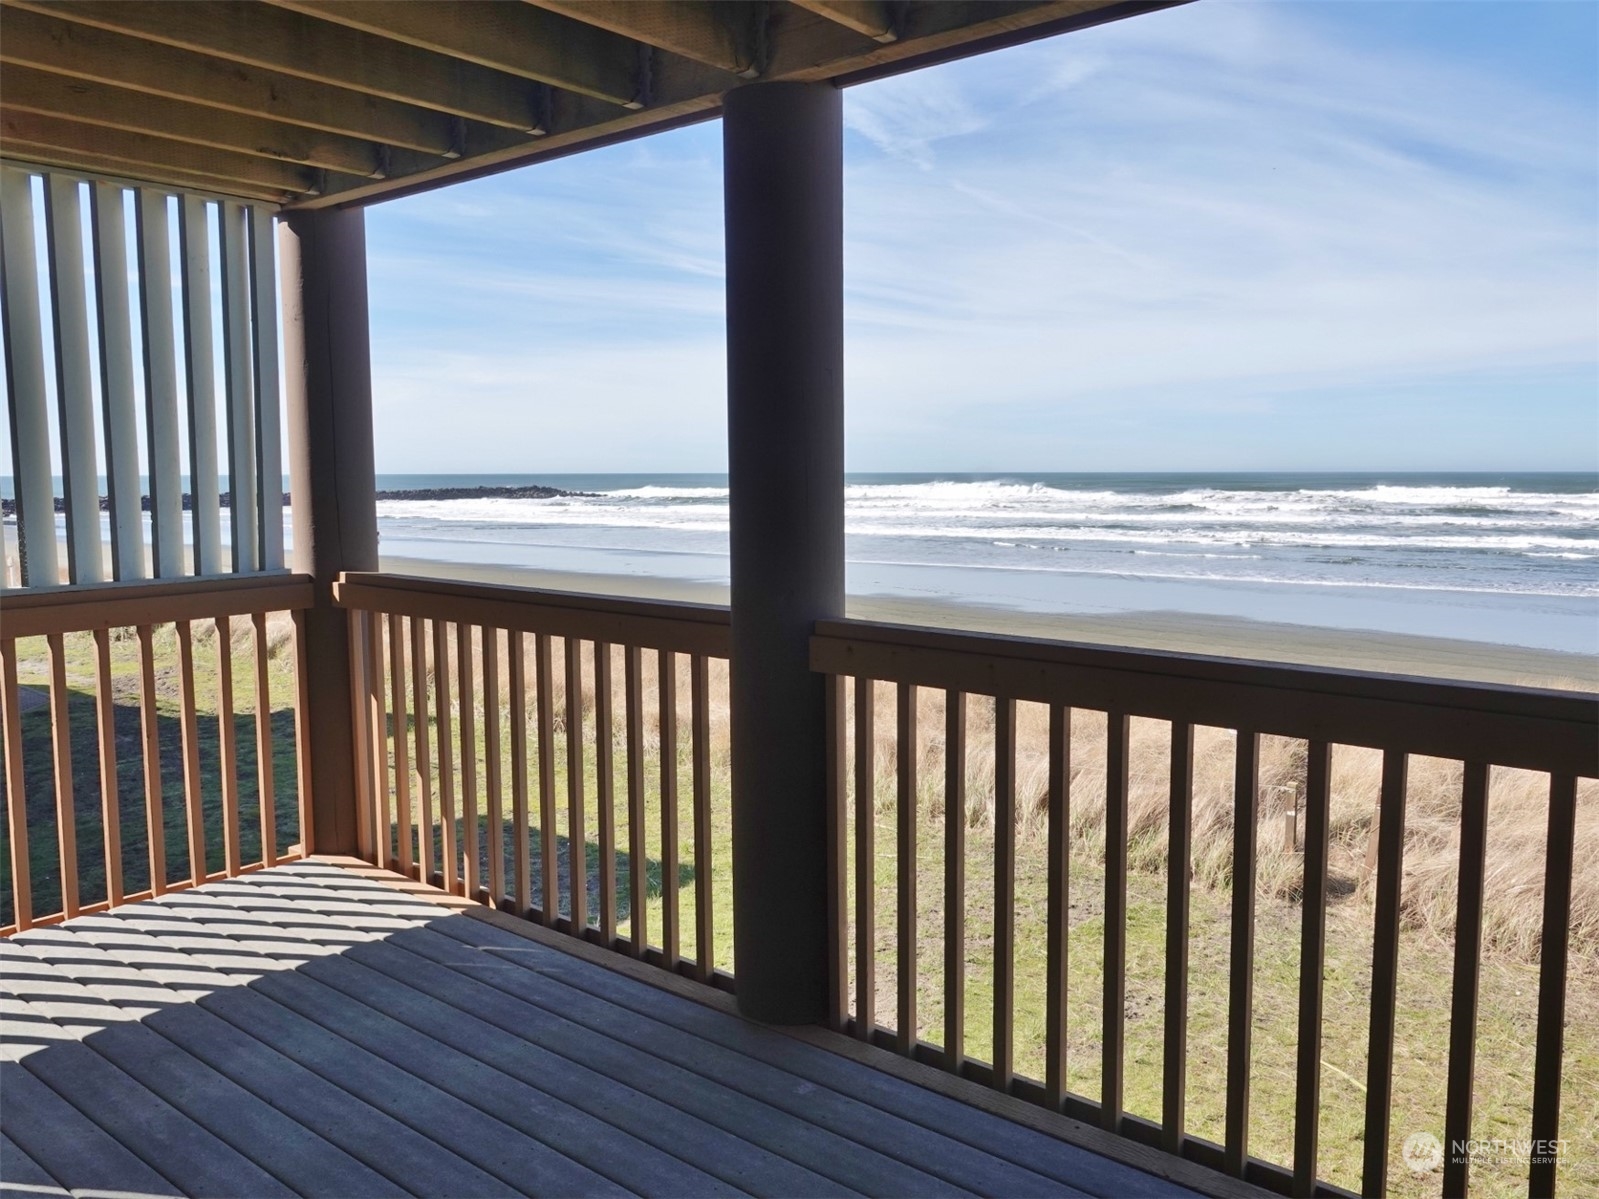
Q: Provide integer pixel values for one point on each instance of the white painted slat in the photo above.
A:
(165, 462)
(236, 355)
(80, 483)
(269, 437)
(25, 384)
(194, 237)
(117, 405)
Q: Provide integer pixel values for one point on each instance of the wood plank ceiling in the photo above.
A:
(309, 103)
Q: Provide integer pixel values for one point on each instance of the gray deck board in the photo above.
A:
(304, 1030)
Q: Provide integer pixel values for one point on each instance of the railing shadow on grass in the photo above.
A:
(654, 868)
(39, 788)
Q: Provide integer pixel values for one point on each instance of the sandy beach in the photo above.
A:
(1389, 653)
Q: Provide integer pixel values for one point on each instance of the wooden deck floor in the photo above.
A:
(307, 1030)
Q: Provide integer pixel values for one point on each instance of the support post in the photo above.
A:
(328, 385)
(783, 191)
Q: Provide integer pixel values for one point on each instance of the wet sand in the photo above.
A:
(1387, 653)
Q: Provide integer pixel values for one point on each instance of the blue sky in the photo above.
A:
(1233, 235)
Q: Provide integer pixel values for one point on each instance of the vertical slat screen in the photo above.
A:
(238, 375)
(80, 484)
(27, 403)
(86, 305)
(194, 240)
(268, 432)
(117, 405)
(164, 461)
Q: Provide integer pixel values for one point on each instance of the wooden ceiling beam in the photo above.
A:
(22, 131)
(717, 35)
(84, 52)
(503, 35)
(279, 40)
(48, 158)
(29, 90)
(870, 17)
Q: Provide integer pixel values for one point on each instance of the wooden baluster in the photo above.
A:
(865, 863)
(704, 915)
(906, 745)
(637, 861)
(402, 750)
(577, 865)
(1548, 1057)
(110, 798)
(1058, 933)
(424, 755)
(666, 667)
(1468, 950)
(955, 880)
(1240, 985)
(66, 808)
(1312, 962)
(1004, 890)
(837, 858)
(302, 735)
(1384, 972)
(193, 797)
(16, 790)
(378, 720)
(493, 810)
(549, 844)
(1179, 855)
(521, 850)
(464, 659)
(360, 737)
(448, 854)
(228, 742)
(265, 784)
(1114, 1013)
(155, 829)
(605, 789)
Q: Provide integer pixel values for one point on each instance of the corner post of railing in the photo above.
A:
(783, 192)
(332, 483)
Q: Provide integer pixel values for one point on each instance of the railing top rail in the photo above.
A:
(85, 607)
(1535, 728)
(657, 624)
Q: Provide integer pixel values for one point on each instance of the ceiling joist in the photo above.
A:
(331, 102)
(30, 90)
(515, 38)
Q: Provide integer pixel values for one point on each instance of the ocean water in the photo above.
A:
(1504, 558)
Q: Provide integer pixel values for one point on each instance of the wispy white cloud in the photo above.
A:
(1235, 213)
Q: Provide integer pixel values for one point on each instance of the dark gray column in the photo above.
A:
(785, 426)
(328, 384)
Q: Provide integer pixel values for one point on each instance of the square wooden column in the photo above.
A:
(783, 172)
(328, 384)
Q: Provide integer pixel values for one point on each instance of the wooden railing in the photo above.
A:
(1477, 728)
(122, 660)
(473, 695)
